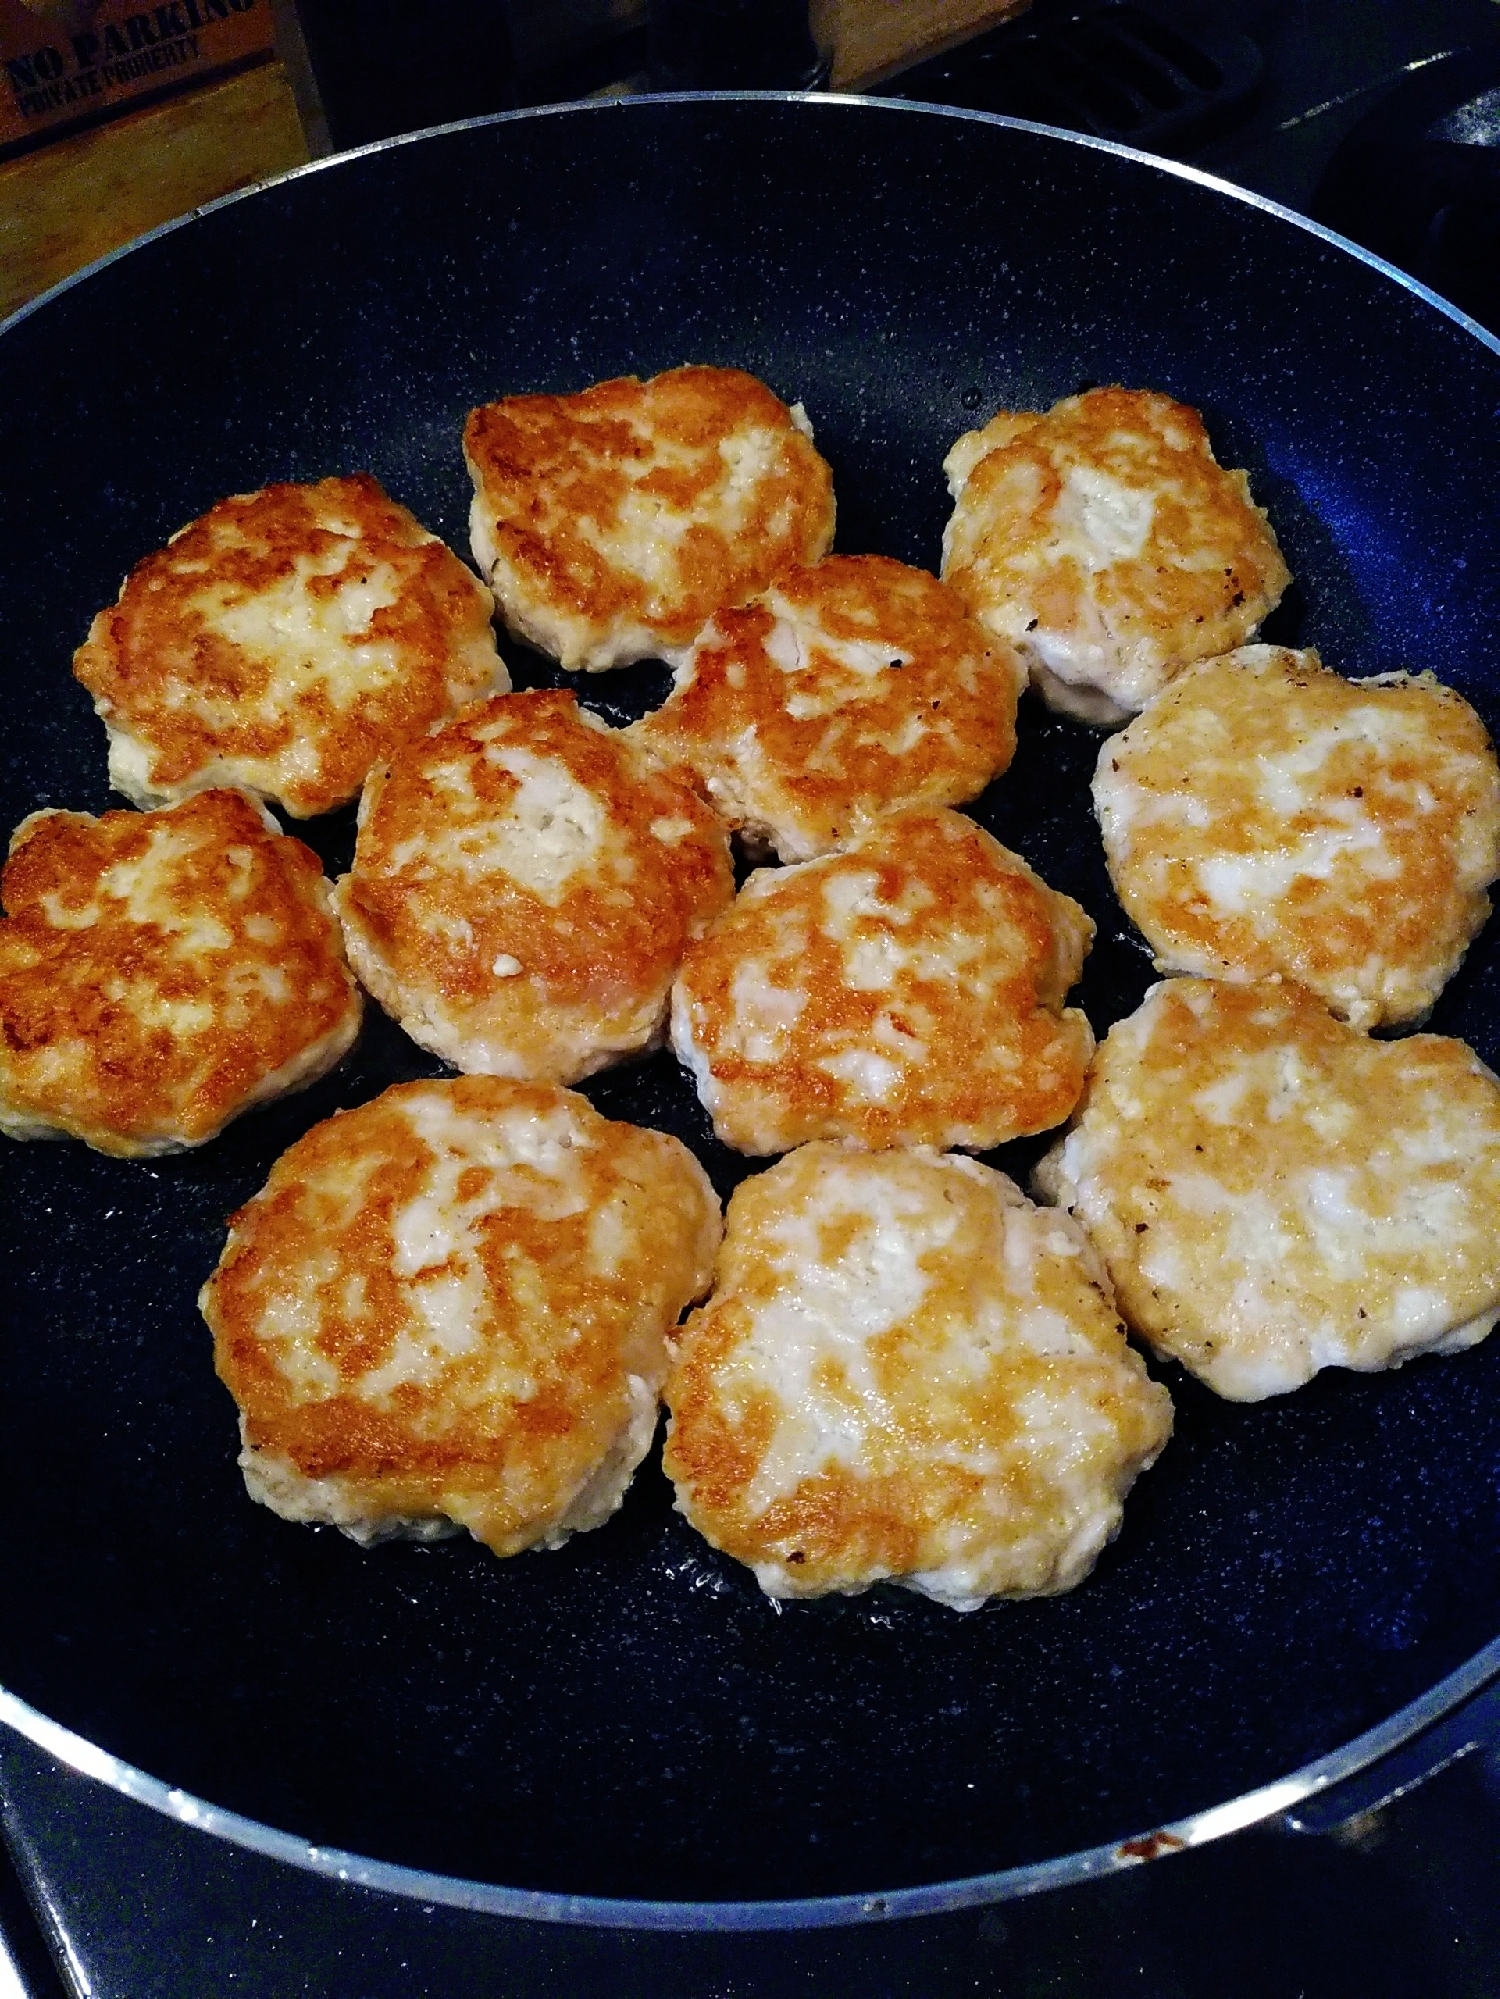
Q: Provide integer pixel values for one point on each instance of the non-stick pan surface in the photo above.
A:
(629, 1717)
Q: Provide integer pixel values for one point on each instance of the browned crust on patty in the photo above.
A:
(501, 1430)
(961, 1013)
(593, 956)
(141, 1017)
(1275, 1192)
(203, 706)
(933, 1436)
(797, 731)
(1119, 621)
(556, 475)
(1267, 817)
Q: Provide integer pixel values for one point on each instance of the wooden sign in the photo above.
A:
(69, 63)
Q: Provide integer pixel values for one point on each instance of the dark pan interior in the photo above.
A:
(630, 1717)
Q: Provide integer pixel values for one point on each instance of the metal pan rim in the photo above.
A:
(813, 1912)
(816, 102)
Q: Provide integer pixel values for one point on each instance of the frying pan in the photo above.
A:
(626, 1731)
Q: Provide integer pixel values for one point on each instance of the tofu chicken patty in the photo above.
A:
(907, 991)
(849, 688)
(906, 1372)
(160, 972)
(525, 882)
(1265, 816)
(614, 523)
(447, 1309)
(286, 642)
(1274, 1192)
(1106, 542)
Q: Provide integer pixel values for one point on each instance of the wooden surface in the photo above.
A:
(871, 39)
(69, 203)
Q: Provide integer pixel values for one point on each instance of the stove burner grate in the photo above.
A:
(1117, 69)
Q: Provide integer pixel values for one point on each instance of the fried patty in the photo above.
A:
(1274, 1192)
(906, 1372)
(614, 523)
(849, 688)
(447, 1309)
(1105, 541)
(286, 642)
(906, 991)
(160, 972)
(1266, 816)
(525, 882)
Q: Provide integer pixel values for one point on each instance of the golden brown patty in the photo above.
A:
(448, 1308)
(1274, 1193)
(1266, 816)
(160, 972)
(849, 688)
(525, 882)
(907, 991)
(906, 1371)
(615, 522)
(286, 642)
(1103, 539)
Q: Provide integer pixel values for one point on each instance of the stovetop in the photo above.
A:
(1381, 117)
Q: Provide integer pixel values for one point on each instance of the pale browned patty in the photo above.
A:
(906, 1372)
(614, 523)
(849, 688)
(525, 882)
(1274, 1192)
(286, 642)
(907, 991)
(448, 1309)
(160, 972)
(1104, 540)
(1265, 816)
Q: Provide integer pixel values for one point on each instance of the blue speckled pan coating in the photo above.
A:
(630, 1717)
